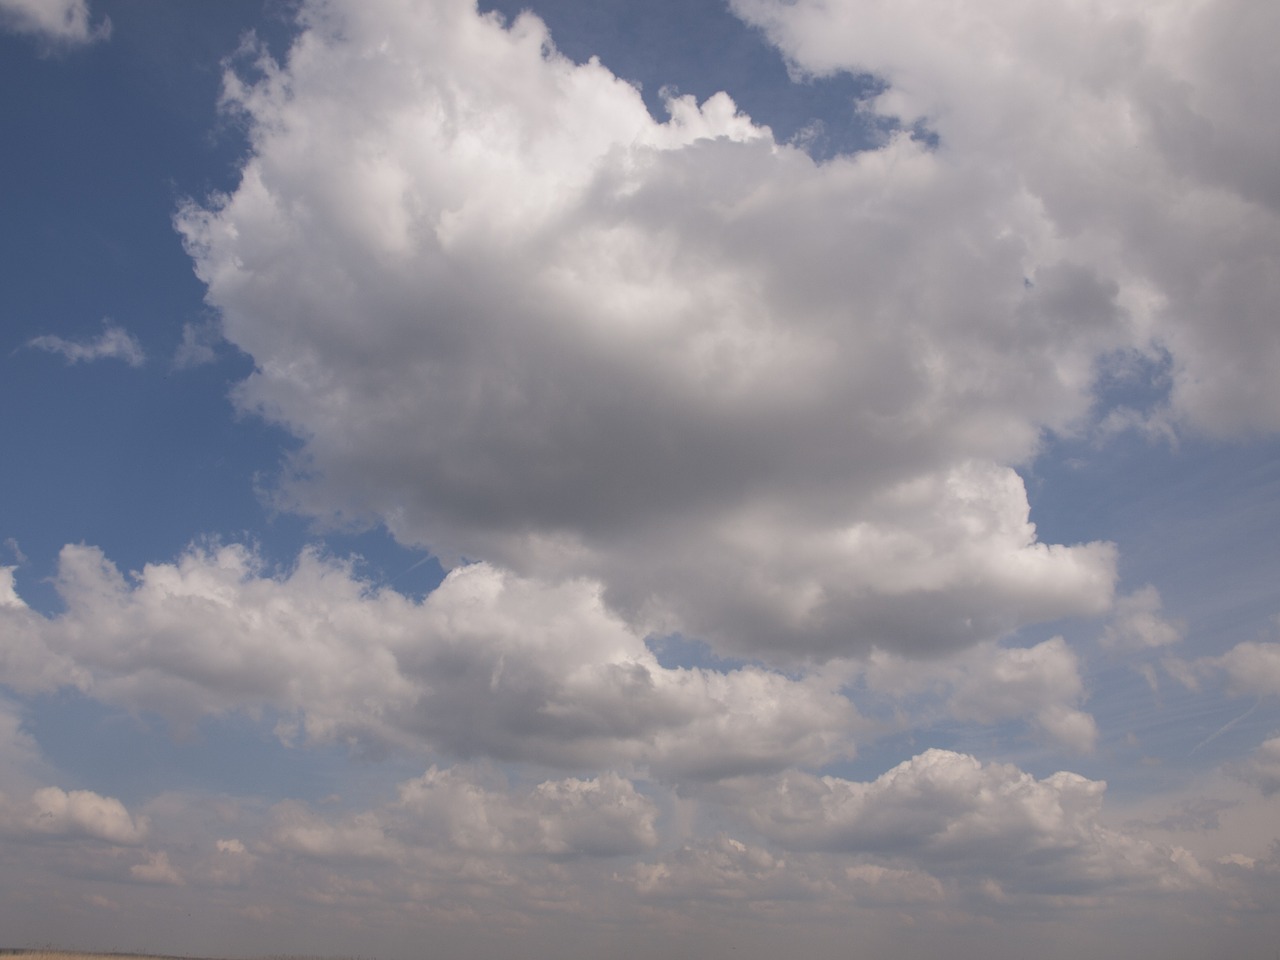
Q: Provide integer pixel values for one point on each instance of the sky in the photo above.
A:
(598, 478)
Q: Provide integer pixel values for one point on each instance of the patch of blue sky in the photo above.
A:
(137, 757)
(139, 461)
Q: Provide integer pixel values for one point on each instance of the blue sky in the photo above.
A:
(639, 478)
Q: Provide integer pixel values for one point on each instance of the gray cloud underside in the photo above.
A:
(767, 403)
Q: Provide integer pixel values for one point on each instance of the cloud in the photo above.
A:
(1262, 768)
(114, 343)
(197, 346)
(1132, 129)
(488, 665)
(26, 661)
(990, 684)
(719, 868)
(600, 817)
(63, 22)
(1251, 668)
(83, 813)
(295, 829)
(21, 765)
(156, 869)
(766, 403)
(1136, 622)
(952, 815)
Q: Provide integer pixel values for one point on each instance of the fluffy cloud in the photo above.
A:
(489, 664)
(113, 343)
(990, 684)
(560, 818)
(83, 813)
(463, 819)
(1132, 127)
(64, 22)
(1136, 622)
(1251, 668)
(156, 869)
(954, 816)
(764, 402)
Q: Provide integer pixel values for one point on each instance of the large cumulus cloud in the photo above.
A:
(765, 402)
(489, 664)
(1136, 129)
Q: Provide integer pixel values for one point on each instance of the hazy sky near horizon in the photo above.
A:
(603, 478)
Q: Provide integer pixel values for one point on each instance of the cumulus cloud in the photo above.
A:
(720, 868)
(463, 814)
(113, 343)
(489, 664)
(561, 818)
(83, 813)
(296, 829)
(21, 765)
(63, 22)
(952, 815)
(156, 869)
(1136, 622)
(1251, 668)
(1132, 128)
(990, 684)
(764, 402)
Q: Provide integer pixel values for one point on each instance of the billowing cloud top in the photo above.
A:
(763, 402)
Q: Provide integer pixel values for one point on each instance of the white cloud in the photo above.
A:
(562, 818)
(156, 869)
(489, 665)
(719, 868)
(1134, 128)
(60, 21)
(295, 829)
(1136, 622)
(1251, 668)
(990, 684)
(21, 766)
(26, 661)
(954, 816)
(113, 343)
(83, 813)
(766, 403)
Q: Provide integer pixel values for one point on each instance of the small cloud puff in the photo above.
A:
(62, 22)
(156, 869)
(197, 346)
(113, 343)
(1137, 624)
